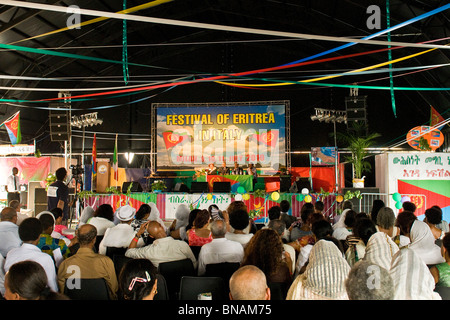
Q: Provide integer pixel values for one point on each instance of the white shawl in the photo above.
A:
(422, 242)
(380, 249)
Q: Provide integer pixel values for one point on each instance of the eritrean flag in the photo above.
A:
(171, 138)
(13, 127)
(435, 118)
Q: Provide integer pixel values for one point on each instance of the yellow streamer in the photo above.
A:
(129, 10)
(330, 77)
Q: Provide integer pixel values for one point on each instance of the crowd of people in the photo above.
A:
(357, 256)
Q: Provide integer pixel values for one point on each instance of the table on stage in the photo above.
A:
(236, 181)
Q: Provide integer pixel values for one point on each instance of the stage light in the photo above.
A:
(129, 156)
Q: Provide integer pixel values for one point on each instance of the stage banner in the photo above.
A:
(30, 168)
(424, 177)
(236, 181)
(195, 201)
(194, 136)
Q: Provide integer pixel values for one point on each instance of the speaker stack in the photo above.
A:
(59, 122)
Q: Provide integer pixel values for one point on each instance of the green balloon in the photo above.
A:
(241, 189)
(300, 197)
(398, 204)
(397, 197)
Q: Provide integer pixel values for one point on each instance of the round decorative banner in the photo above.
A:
(424, 139)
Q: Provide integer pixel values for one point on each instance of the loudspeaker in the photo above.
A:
(303, 183)
(136, 187)
(59, 122)
(180, 187)
(285, 183)
(223, 187)
(199, 187)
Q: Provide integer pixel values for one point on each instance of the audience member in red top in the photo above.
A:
(200, 233)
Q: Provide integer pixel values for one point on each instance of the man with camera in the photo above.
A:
(58, 194)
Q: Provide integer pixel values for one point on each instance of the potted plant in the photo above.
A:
(158, 186)
(358, 142)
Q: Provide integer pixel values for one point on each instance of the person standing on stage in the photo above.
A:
(58, 194)
(251, 170)
(12, 185)
(223, 170)
(237, 170)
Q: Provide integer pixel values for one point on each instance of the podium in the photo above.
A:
(103, 177)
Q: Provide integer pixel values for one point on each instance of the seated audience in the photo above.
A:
(363, 230)
(433, 217)
(319, 207)
(27, 280)
(46, 242)
(409, 206)
(163, 249)
(339, 219)
(142, 216)
(9, 231)
(441, 271)
(444, 225)
(285, 216)
(376, 206)
(380, 249)
(59, 230)
(361, 284)
(137, 280)
(411, 277)
(29, 231)
(155, 215)
(341, 233)
(385, 222)
(324, 277)
(404, 221)
(422, 243)
(179, 224)
(120, 235)
(280, 227)
(103, 219)
(215, 212)
(220, 249)
(304, 229)
(89, 264)
(200, 234)
(249, 283)
(239, 221)
(15, 204)
(265, 250)
(274, 213)
(86, 214)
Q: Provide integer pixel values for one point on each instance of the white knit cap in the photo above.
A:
(126, 213)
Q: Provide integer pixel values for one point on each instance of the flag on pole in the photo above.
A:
(115, 162)
(94, 156)
(13, 127)
(435, 118)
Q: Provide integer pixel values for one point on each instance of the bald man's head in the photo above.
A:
(9, 214)
(87, 234)
(156, 230)
(249, 283)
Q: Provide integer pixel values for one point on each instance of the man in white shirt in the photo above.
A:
(163, 249)
(12, 185)
(220, 249)
(120, 235)
(29, 231)
(9, 231)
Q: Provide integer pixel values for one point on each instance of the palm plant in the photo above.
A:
(358, 142)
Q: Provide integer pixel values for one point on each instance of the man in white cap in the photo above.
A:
(120, 235)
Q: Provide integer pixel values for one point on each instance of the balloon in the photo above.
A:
(241, 189)
(308, 198)
(246, 196)
(300, 197)
(339, 198)
(405, 199)
(398, 205)
(209, 196)
(275, 196)
(397, 196)
(238, 197)
(305, 191)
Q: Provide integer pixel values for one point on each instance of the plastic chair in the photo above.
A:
(444, 292)
(163, 293)
(223, 270)
(191, 287)
(119, 261)
(88, 289)
(111, 251)
(196, 250)
(173, 271)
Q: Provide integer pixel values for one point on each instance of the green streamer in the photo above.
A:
(391, 79)
(126, 75)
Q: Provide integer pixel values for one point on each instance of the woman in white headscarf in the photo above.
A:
(380, 250)
(155, 216)
(422, 242)
(324, 277)
(178, 227)
(411, 276)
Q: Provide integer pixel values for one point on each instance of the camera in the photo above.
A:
(77, 170)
